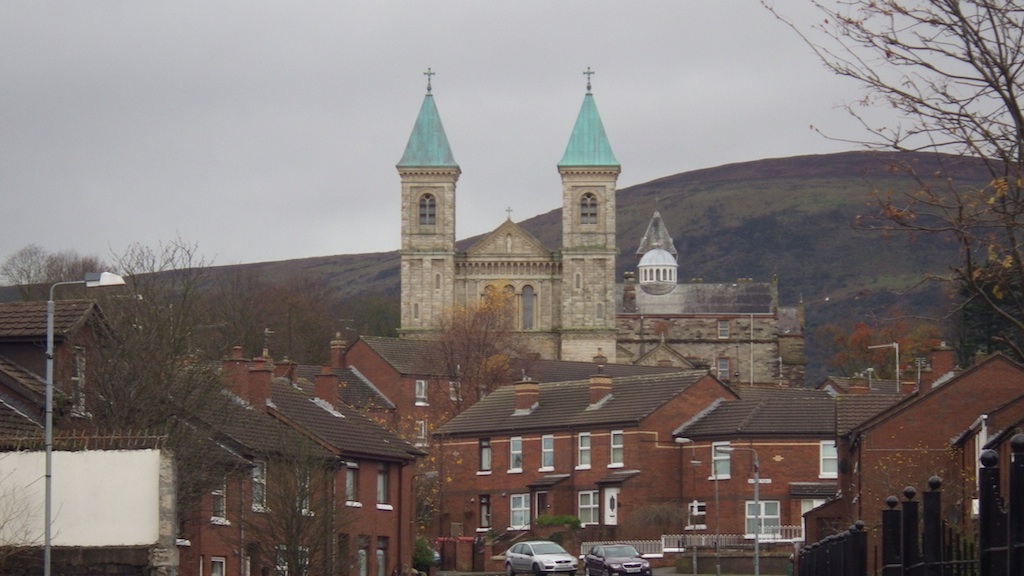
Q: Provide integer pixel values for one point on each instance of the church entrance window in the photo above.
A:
(528, 307)
(428, 210)
(588, 209)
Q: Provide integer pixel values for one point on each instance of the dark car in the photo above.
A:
(615, 559)
(539, 557)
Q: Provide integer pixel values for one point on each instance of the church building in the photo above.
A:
(568, 299)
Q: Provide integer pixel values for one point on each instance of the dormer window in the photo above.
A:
(588, 209)
(428, 210)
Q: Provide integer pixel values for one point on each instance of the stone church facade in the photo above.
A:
(568, 300)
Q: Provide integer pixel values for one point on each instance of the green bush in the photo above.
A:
(567, 520)
(422, 556)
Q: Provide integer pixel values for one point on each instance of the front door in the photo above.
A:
(611, 506)
(541, 503)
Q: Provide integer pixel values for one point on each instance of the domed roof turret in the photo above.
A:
(658, 269)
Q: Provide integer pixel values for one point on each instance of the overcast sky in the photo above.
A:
(267, 131)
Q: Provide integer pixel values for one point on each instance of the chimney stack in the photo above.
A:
(258, 387)
(941, 362)
(527, 394)
(600, 386)
(338, 346)
(326, 385)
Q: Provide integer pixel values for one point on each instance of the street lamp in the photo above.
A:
(757, 503)
(718, 516)
(91, 280)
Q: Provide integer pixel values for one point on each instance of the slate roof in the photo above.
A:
(340, 426)
(565, 370)
(766, 412)
(251, 431)
(14, 422)
(406, 355)
(564, 405)
(354, 389)
(700, 298)
(21, 320)
(852, 410)
(26, 382)
(875, 386)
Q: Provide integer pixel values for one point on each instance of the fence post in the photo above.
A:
(931, 542)
(991, 519)
(858, 550)
(892, 557)
(911, 552)
(1016, 505)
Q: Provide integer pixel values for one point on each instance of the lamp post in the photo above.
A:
(91, 280)
(718, 517)
(757, 503)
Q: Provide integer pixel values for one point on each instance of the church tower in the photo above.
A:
(589, 172)
(429, 173)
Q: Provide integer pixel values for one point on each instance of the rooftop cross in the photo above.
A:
(428, 74)
(588, 73)
(508, 213)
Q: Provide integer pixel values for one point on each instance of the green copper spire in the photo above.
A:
(428, 144)
(588, 145)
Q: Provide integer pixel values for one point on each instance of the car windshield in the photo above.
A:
(624, 550)
(548, 548)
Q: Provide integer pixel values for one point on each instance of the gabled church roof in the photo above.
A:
(507, 240)
(428, 144)
(588, 145)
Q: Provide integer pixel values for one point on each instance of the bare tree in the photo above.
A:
(33, 269)
(953, 71)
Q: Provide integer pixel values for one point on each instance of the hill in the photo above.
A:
(786, 217)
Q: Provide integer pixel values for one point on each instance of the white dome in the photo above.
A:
(657, 270)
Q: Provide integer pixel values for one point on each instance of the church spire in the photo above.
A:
(428, 143)
(657, 236)
(588, 145)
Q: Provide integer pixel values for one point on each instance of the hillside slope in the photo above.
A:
(790, 217)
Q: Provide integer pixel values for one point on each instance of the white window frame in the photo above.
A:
(259, 486)
(78, 358)
(588, 507)
(485, 511)
(352, 485)
(384, 487)
(696, 509)
(723, 329)
(515, 454)
(304, 492)
(218, 561)
(721, 462)
(421, 433)
(828, 460)
(774, 520)
(421, 393)
(547, 453)
(519, 511)
(583, 444)
(726, 363)
(617, 449)
(486, 455)
(219, 504)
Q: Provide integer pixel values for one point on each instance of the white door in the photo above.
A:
(611, 506)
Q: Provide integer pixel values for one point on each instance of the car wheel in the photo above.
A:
(537, 570)
(508, 569)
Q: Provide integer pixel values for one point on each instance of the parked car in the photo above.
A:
(539, 557)
(615, 560)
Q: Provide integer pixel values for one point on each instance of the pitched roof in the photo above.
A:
(567, 370)
(19, 320)
(22, 380)
(354, 389)
(700, 298)
(428, 143)
(406, 355)
(14, 422)
(347, 430)
(657, 236)
(767, 412)
(565, 405)
(588, 145)
(852, 410)
(251, 431)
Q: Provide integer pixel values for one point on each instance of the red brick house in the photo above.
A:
(921, 435)
(350, 478)
(599, 449)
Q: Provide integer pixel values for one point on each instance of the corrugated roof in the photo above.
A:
(564, 405)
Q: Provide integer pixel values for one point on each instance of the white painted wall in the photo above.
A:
(100, 497)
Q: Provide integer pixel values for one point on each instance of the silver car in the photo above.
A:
(539, 557)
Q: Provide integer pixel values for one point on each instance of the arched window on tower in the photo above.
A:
(527, 297)
(428, 210)
(588, 209)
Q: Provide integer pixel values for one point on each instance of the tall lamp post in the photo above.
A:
(718, 517)
(91, 280)
(757, 503)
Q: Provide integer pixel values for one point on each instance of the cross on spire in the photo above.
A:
(588, 73)
(428, 74)
(508, 212)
